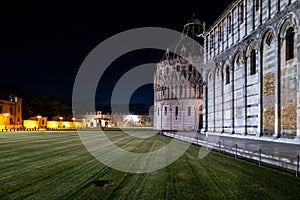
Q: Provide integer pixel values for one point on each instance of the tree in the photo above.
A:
(46, 105)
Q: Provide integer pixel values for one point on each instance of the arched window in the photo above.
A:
(269, 39)
(241, 12)
(290, 44)
(180, 91)
(212, 43)
(229, 27)
(256, 5)
(190, 68)
(227, 75)
(253, 62)
(178, 68)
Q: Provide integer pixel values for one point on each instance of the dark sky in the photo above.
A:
(43, 43)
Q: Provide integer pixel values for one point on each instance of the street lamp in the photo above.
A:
(39, 122)
(61, 118)
(73, 119)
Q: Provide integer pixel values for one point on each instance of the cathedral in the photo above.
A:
(241, 79)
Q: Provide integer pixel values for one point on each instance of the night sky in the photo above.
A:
(43, 43)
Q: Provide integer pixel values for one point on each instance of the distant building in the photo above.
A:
(42, 123)
(39, 122)
(99, 119)
(11, 113)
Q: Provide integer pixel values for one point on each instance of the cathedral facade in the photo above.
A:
(250, 73)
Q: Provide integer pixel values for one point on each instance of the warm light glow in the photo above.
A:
(61, 118)
(5, 115)
(39, 116)
(54, 124)
(31, 124)
(73, 119)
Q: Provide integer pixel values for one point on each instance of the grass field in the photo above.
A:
(53, 165)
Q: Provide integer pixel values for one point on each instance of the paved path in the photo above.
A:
(282, 148)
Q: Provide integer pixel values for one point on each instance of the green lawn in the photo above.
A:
(57, 166)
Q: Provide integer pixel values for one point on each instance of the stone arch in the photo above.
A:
(288, 73)
(238, 59)
(289, 20)
(248, 56)
(238, 90)
(252, 83)
(268, 82)
(218, 100)
(211, 98)
(226, 66)
(250, 67)
(266, 32)
(253, 45)
(227, 98)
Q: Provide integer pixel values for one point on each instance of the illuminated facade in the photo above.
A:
(11, 113)
(98, 119)
(178, 83)
(251, 71)
(43, 124)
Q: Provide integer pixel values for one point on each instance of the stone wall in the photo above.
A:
(239, 100)
(254, 102)
(289, 114)
(268, 121)
(269, 104)
(187, 117)
(219, 100)
(228, 104)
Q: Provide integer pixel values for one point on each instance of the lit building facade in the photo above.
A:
(178, 83)
(99, 119)
(11, 113)
(251, 70)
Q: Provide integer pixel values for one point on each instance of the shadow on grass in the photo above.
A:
(102, 183)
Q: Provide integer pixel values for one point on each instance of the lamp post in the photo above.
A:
(60, 118)
(5, 120)
(39, 118)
